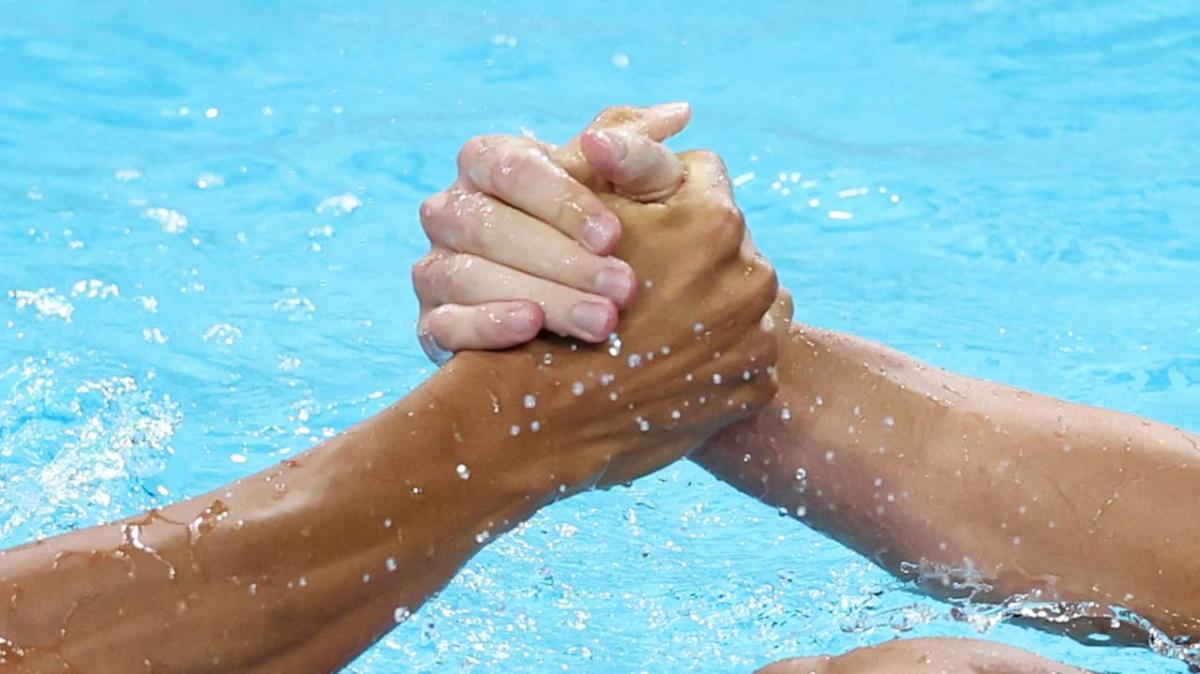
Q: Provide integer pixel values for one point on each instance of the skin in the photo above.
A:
(969, 488)
(301, 567)
(926, 656)
(954, 482)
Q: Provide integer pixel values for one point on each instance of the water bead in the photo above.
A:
(464, 473)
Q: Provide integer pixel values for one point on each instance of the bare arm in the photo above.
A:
(973, 482)
(300, 568)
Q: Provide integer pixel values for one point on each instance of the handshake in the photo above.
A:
(534, 239)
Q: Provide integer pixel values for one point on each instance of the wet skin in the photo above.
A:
(965, 486)
(303, 566)
(926, 656)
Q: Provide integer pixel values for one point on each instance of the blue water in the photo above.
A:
(207, 215)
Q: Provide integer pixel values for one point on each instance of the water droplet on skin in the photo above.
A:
(801, 473)
(643, 425)
(416, 491)
(746, 457)
(698, 328)
(746, 375)
(801, 511)
(530, 401)
(820, 401)
(666, 351)
(613, 396)
(634, 360)
(482, 536)
(303, 582)
(785, 414)
(253, 589)
(401, 614)
(717, 379)
(548, 359)
(387, 523)
(614, 345)
(464, 473)
(366, 578)
(829, 456)
(535, 426)
(889, 422)
(675, 414)
(782, 512)
(391, 565)
(577, 388)
(879, 482)
(515, 430)
(607, 378)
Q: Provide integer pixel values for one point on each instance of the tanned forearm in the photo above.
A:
(294, 569)
(955, 481)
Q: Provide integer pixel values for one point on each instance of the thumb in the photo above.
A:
(635, 165)
(658, 123)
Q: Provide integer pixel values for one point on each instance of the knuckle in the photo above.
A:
(615, 115)
(431, 208)
(422, 275)
(728, 228)
(709, 159)
(475, 149)
(514, 163)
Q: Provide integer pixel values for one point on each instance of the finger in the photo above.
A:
(657, 123)
(473, 222)
(637, 166)
(471, 280)
(451, 328)
(519, 173)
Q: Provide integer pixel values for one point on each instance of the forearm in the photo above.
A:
(295, 569)
(974, 481)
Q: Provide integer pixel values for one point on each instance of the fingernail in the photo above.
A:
(592, 319)
(600, 232)
(519, 320)
(616, 145)
(615, 280)
(674, 108)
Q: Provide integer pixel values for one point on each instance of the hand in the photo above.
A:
(693, 355)
(520, 242)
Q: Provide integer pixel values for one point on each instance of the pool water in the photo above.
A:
(207, 215)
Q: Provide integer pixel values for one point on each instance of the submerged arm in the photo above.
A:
(970, 486)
